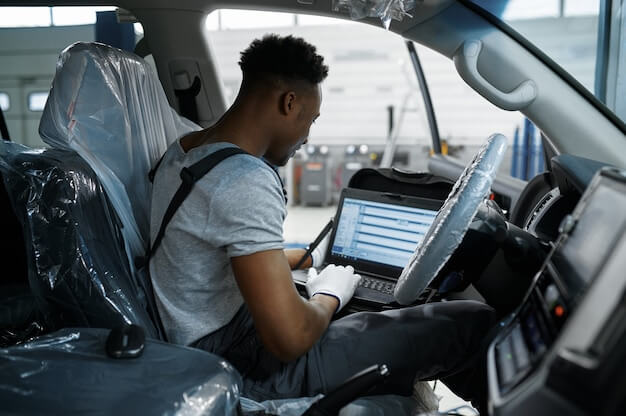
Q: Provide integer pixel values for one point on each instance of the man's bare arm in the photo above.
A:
(287, 325)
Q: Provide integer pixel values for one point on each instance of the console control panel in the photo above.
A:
(563, 342)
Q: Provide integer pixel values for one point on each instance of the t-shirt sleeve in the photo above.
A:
(247, 212)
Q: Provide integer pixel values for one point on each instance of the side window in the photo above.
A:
(371, 95)
(567, 32)
(31, 39)
(465, 119)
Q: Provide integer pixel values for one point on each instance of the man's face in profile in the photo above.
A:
(307, 110)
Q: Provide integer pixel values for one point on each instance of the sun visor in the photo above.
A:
(385, 10)
(108, 106)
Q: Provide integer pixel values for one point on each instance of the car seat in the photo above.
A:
(68, 372)
(18, 311)
(108, 106)
(77, 263)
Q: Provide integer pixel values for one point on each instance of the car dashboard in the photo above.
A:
(561, 350)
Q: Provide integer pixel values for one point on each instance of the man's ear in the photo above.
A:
(288, 102)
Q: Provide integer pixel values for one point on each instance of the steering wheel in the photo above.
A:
(452, 222)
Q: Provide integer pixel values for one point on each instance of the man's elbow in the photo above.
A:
(293, 337)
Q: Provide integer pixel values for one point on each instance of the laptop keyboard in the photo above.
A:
(377, 284)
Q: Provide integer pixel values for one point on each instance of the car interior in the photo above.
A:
(77, 315)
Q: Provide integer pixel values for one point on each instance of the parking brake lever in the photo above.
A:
(356, 386)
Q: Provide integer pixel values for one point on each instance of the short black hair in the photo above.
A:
(286, 57)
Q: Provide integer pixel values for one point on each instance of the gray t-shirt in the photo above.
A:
(237, 209)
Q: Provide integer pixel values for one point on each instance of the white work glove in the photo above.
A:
(317, 255)
(337, 281)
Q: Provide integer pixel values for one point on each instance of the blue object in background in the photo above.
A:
(535, 159)
(515, 162)
(522, 155)
(529, 132)
(110, 32)
(527, 159)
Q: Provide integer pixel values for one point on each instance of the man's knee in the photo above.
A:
(460, 327)
(475, 314)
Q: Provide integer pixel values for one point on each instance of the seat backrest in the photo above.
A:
(108, 106)
(12, 254)
(77, 263)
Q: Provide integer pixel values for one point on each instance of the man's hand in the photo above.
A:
(337, 281)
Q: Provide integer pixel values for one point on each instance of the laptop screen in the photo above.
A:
(378, 232)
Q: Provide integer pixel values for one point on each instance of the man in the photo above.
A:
(222, 279)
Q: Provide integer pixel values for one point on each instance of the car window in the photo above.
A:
(583, 37)
(565, 30)
(31, 39)
(371, 87)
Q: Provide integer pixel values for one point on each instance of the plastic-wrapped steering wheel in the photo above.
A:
(452, 221)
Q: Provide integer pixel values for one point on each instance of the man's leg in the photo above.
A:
(421, 342)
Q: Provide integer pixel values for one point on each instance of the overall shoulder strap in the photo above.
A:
(189, 175)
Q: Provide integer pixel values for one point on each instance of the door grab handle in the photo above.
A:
(466, 63)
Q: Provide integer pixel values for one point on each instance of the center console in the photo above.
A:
(563, 352)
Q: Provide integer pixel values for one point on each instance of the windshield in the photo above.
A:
(584, 37)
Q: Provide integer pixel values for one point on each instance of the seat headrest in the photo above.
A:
(108, 106)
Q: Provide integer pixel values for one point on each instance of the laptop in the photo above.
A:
(376, 233)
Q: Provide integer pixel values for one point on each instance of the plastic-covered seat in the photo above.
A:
(77, 263)
(108, 106)
(68, 373)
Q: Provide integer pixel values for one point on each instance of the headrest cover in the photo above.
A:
(108, 106)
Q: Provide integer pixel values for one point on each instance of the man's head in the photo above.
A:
(288, 72)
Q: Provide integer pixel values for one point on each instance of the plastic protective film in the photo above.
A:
(78, 269)
(452, 221)
(385, 10)
(365, 406)
(68, 373)
(108, 105)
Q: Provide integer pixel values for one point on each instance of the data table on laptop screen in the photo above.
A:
(379, 232)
